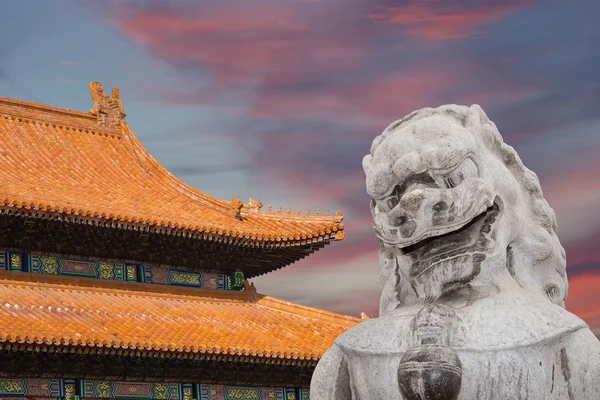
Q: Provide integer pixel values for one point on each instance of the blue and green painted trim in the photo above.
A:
(73, 389)
(86, 267)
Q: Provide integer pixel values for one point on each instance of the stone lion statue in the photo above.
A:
(472, 274)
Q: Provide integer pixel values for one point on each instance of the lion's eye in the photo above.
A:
(467, 169)
(387, 204)
(392, 202)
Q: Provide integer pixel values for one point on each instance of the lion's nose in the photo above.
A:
(405, 226)
(440, 206)
(407, 229)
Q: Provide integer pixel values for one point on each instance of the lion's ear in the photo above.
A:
(366, 163)
(479, 123)
(475, 118)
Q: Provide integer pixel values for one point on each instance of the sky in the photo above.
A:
(279, 100)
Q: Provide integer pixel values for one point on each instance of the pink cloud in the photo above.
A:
(437, 21)
(241, 41)
(582, 178)
(314, 61)
(267, 55)
(574, 194)
(584, 298)
(584, 252)
(381, 100)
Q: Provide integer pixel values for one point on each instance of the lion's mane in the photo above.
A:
(535, 258)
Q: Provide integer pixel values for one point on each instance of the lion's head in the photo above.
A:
(454, 207)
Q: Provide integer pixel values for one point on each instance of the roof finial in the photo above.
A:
(338, 213)
(108, 110)
(298, 212)
(236, 207)
(269, 208)
(289, 211)
(327, 212)
(279, 210)
(318, 212)
(254, 205)
(308, 212)
(249, 286)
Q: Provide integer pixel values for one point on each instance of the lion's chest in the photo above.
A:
(532, 373)
(514, 356)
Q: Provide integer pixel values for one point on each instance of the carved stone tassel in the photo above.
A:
(431, 370)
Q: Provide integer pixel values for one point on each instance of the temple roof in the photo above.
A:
(69, 165)
(67, 313)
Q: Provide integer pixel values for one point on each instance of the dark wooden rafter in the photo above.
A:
(57, 236)
(217, 370)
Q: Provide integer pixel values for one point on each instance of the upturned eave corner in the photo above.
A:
(108, 167)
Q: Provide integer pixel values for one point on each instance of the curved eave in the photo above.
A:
(211, 234)
(60, 164)
(124, 349)
(65, 314)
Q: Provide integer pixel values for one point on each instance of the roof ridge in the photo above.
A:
(44, 107)
(121, 288)
(296, 217)
(312, 312)
(173, 292)
(25, 110)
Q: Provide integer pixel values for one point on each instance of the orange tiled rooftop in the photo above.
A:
(72, 166)
(69, 313)
(61, 162)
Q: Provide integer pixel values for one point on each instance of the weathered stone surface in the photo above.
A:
(472, 274)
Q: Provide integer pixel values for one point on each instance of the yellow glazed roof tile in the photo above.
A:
(61, 162)
(69, 313)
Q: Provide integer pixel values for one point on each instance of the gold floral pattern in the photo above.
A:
(243, 393)
(131, 273)
(11, 386)
(16, 261)
(185, 278)
(103, 389)
(188, 394)
(161, 391)
(105, 270)
(50, 265)
(69, 392)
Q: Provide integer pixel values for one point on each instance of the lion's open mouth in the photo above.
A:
(465, 245)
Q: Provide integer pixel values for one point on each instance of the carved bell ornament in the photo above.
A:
(431, 370)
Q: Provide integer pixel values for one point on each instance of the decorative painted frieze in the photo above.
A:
(129, 390)
(86, 267)
(227, 392)
(31, 387)
(72, 389)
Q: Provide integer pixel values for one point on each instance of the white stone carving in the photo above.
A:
(472, 274)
